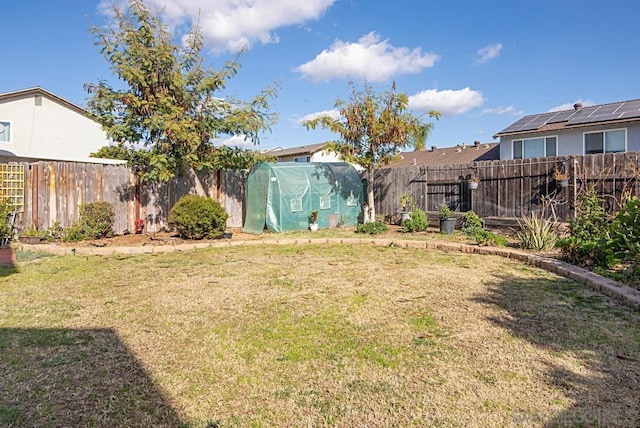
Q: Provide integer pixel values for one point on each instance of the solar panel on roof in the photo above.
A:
(630, 114)
(561, 116)
(520, 125)
(630, 105)
(594, 119)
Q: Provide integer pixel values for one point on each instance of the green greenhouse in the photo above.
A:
(281, 196)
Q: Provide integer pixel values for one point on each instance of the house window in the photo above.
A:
(5, 132)
(302, 159)
(535, 148)
(613, 141)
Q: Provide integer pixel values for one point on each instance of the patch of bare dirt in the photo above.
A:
(158, 238)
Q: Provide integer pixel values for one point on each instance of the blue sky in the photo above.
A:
(483, 65)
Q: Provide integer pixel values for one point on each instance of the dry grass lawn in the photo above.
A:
(317, 335)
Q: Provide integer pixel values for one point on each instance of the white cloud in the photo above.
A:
(370, 58)
(334, 114)
(230, 25)
(447, 102)
(488, 53)
(503, 110)
(234, 141)
(569, 106)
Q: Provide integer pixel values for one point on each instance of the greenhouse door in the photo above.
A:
(257, 193)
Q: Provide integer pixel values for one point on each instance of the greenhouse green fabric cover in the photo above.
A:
(282, 195)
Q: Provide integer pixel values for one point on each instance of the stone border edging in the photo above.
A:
(609, 287)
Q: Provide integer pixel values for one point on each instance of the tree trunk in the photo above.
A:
(370, 199)
(197, 183)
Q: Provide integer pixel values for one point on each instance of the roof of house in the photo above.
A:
(461, 154)
(579, 116)
(300, 150)
(8, 96)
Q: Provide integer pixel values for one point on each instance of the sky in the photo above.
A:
(481, 64)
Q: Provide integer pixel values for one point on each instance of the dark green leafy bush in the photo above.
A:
(198, 217)
(418, 221)
(372, 228)
(5, 227)
(624, 232)
(96, 220)
(586, 245)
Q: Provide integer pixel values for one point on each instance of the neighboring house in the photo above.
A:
(604, 128)
(461, 154)
(308, 153)
(38, 125)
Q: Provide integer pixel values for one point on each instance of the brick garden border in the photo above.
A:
(624, 294)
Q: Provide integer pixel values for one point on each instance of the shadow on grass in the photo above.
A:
(566, 318)
(68, 377)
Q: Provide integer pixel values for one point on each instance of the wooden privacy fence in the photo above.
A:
(510, 188)
(53, 191)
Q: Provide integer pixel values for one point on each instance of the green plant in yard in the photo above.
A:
(625, 230)
(588, 232)
(5, 227)
(407, 202)
(313, 218)
(33, 232)
(96, 219)
(418, 221)
(445, 211)
(372, 228)
(198, 217)
(471, 220)
(537, 233)
(472, 227)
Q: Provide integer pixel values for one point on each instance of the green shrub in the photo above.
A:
(537, 233)
(586, 245)
(418, 221)
(472, 228)
(5, 227)
(96, 220)
(198, 217)
(592, 253)
(471, 220)
(372, 228)
(73, 234)
(591, 222)
(624, 232)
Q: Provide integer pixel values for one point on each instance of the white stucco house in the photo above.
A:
(603, 128)
(36, 124)
(308, 153)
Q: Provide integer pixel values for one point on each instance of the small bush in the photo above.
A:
(372, 228)
(591, 253)
(471, 220)
(472, 228)
(624, 232)
(537, 233)
(96, 220)
(587, 244)
(198, 217)
(418, 221)
(5, 227)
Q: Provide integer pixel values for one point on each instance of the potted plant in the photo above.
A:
(561, 177)
(408, 204)
(447, 219)
(31, 236)
(313, 221)
(473, 182)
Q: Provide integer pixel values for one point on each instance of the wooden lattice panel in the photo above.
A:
(12, 185)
